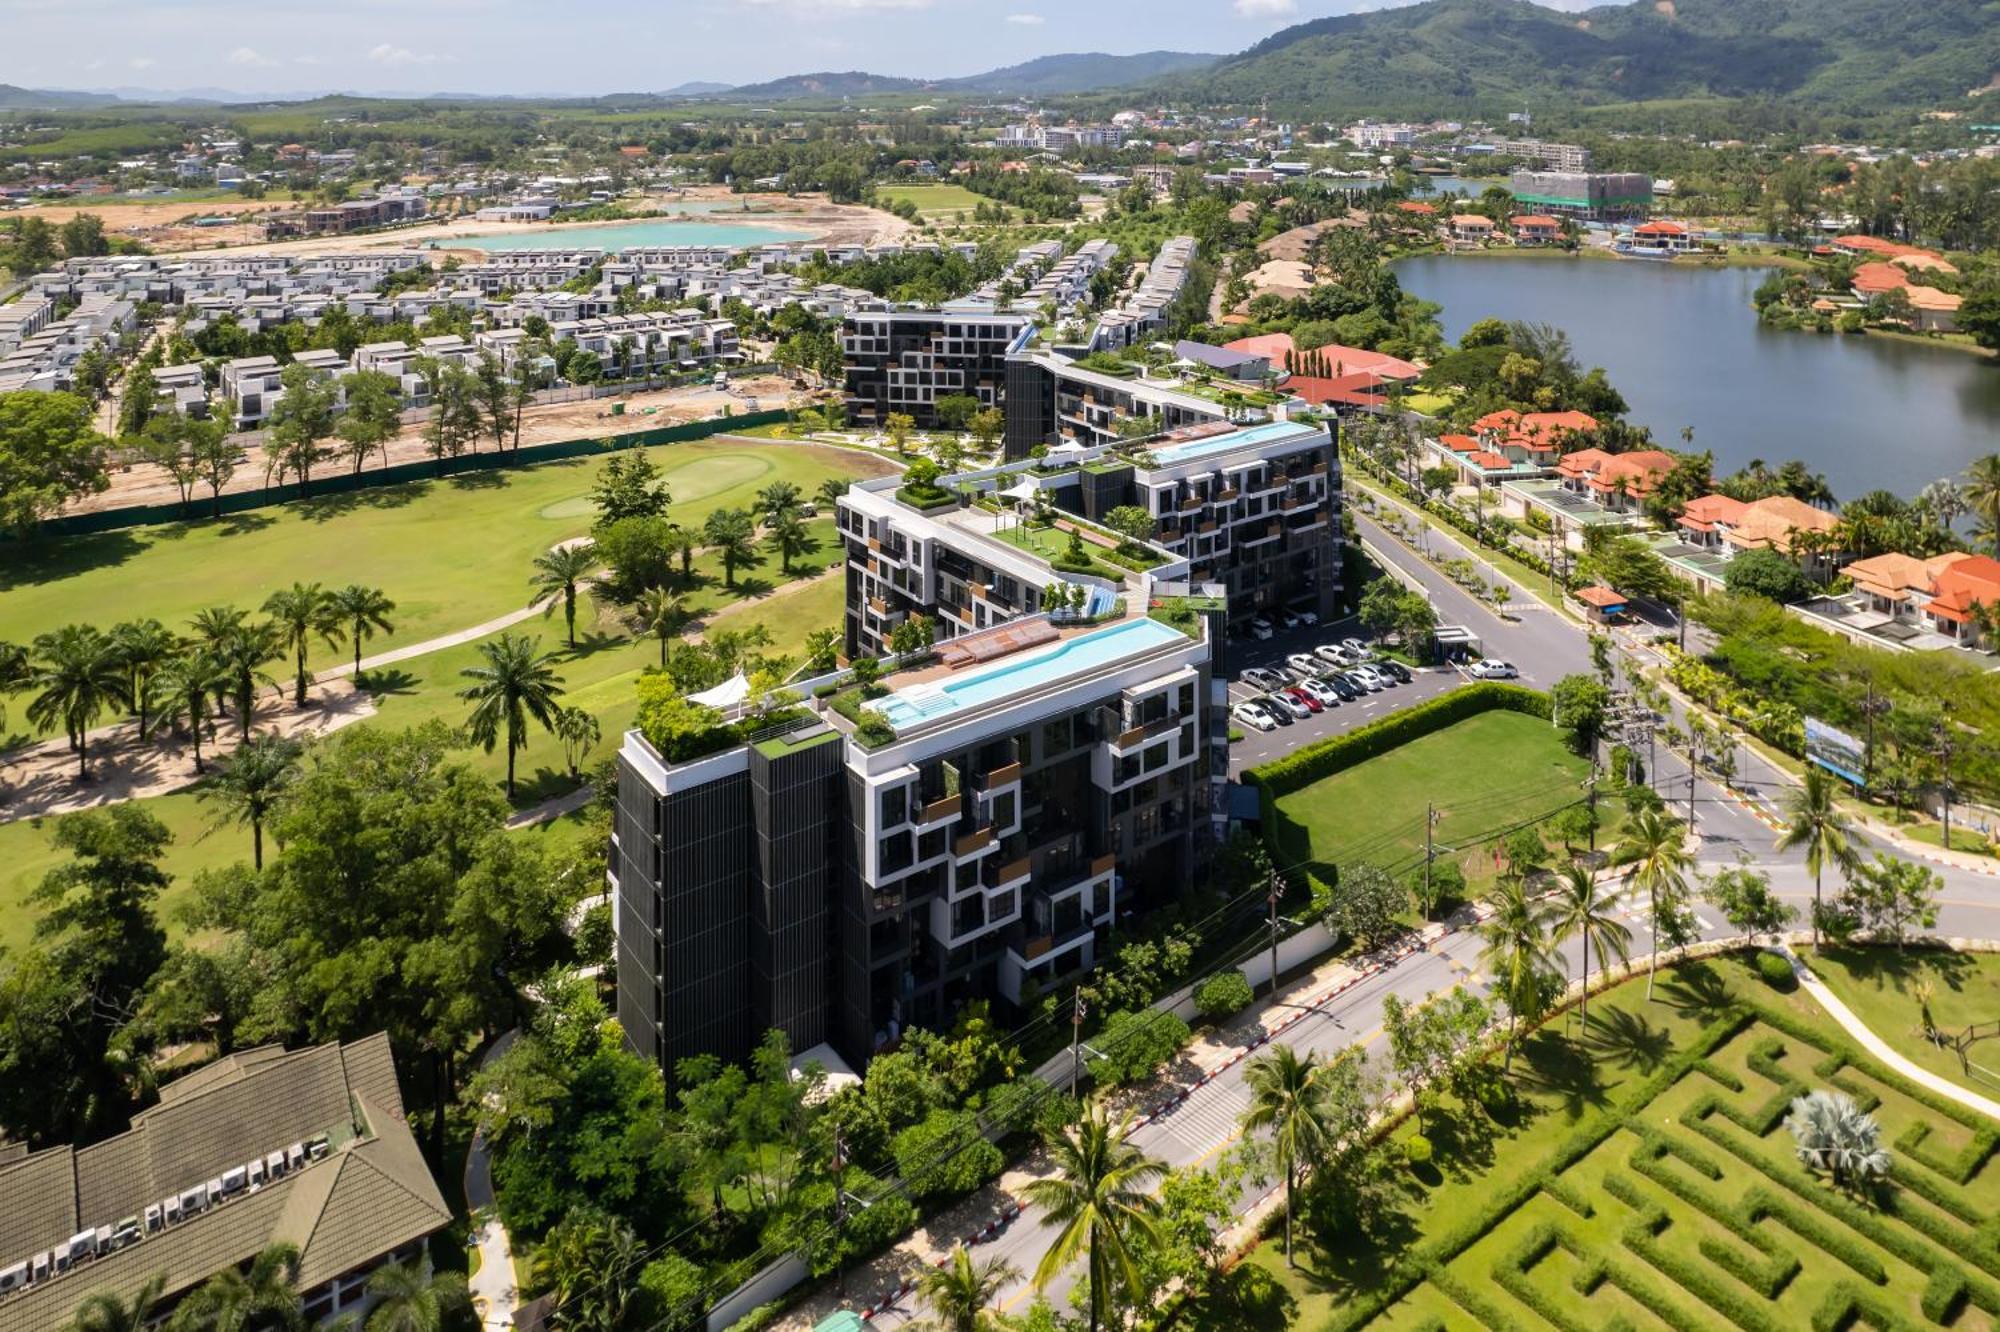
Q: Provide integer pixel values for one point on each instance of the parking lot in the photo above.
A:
(1262, 746)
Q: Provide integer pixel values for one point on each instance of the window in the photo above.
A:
(895, 806)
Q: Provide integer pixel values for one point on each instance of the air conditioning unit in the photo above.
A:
(156, 1219)
(194, 1200)
(126, 1232)
(39, 1267)
(13, 1278)
(234, 1181)
(274, 1165)
(255, 1174)
(317, 1148)
(295, 1156)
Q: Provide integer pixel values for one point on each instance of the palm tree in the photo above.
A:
(1945, 499)
(249, 782)
(822, 648)
(143, 646)
(1656, 858)
(106, 1312)
(362, 610)
(408, 1301)
(266, 1297)
(660, 613)
(788, 533)
(579, 731)
(301, 612)
(1098, 1195)
(1814, 821)
(186, 684)
(1836, 1135)
(559, 571)
(830, 492)
(729, 533)
(682, 543)
(77, 674)
(1287, 1098)
(1581, 909)
(958, 1292)
(244, 652)
(780, 497)
(517, 681)
(1515, 951)
(1982, 498)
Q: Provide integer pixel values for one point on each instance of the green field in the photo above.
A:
(1486, 775)
(1641, 1177)
(1880, 985)
(932, 201)
(451, 554)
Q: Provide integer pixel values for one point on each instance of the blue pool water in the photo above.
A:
(632, 235)
(1239, 439)
(1029, 671)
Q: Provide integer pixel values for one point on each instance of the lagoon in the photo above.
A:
(633, 235)
(1684, 347)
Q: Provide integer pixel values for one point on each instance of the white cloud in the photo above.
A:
(305, 60)
(386, 54)
(1027, 20)
(1266, 9)
(250, 59)
(142, 62)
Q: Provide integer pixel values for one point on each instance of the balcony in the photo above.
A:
(879, 606)
(1005, 775)
(1104, 864)
(946, 807)
(1013, 871)
(972, 843)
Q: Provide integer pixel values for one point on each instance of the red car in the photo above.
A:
(1305, 698)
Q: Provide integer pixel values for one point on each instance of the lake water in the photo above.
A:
(631, 235)
(1684, 347)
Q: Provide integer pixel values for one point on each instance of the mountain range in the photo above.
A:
(1049, 76)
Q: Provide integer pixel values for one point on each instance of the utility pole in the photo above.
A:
(1871, 707)
(1946, 747)
(1430, 848)
(1274, 933)
(1076, 1046)
(839, 1204)
(1593, 805)
(1694, 761)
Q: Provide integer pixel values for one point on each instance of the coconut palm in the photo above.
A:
(406, 1300)
(1656, 858)
(830, 492)
(780, 497)
(1837, 1136)
(730, 533)
(15, 671)
(958, 1291)
(516, 680)
(660, 613)
(1287, 1098)
(558, 574)
(249, 782)
(1982, 498)
(681, 544)
(77, 674)
(787, 531)
(1515, 952)
(1099, 1196)
(104, 1311)
(143, 646)
(579, 731)
(186, 685)
(300, 613)
(1945, 499)
(265, 1297)
(1814, 821)
(244, 651)
(361, 611)
(1581, 908)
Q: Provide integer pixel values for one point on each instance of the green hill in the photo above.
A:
(850, 83)
(1447, 56)
(1085, 72)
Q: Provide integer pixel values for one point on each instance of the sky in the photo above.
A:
(531, 47)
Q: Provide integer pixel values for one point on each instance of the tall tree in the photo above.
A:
(186, 684)
(731, 534)
(407, 1299)
(77, 674)
(1656, 858)
(361, 611)
(1515, 952)
(1100, 1197)
(301, 613)
(514, 681)
(214, 457)
(778, 499)
(265, 1297)
(143, 647)
(1814, 821)
(1287, 1098)
(959, 1292)
(559, 571)
(787, 531)
(302, 421)
(250, 781)
(373, 417)
(660, 613)
(50, 454)
(104, 1311)
(495, 396)
(1982, 498)
(579, 731)
(1581, 908)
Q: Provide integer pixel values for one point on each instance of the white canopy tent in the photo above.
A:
(725, 695)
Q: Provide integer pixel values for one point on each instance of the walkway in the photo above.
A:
(1881, 1049)
(493, 1286)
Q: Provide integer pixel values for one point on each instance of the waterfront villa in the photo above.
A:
(1661, 238)
(1964, 587)
(1536, 229)
(1279, 349)
(1772, 523)
(1900, 601)
(1471, 228)
(1615, 481)
(1539, 433)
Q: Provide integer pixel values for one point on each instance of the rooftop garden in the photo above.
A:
(681, 731)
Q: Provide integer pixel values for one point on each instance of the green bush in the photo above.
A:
(945, 1155)
(1777, 972)
(1224, 993)
(1340, 752)
(1136, 1045)
(1944, 1293)
(1417, 1149)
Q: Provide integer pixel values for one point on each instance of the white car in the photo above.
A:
(1290, 619)
(1325, 693)
(1263, 678)
(1293, 708)
(1304, 665)
(1331, 653)
(1377, 679)
(1307, 616)
(1490, 668)
(1260, 628)
(1253, 716)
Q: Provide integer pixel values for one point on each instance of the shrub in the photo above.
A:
(1944, 1293)
(1417, 1149)
(945, 1154)
(1136, 1044)
(1222, 994)
(1777, 971)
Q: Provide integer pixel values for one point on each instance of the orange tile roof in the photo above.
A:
(1877, 278)
(1473, 220)
(1930, 298)
(1599, 596)
(1660, 229)
(1895, 575)
(1487, 459)
(1771, 521)
(1276, 346)
(1459, 443)
(1412, 206)
(1972, 581)
(1640, 470)
(1703, 514)
(1928, 263)
(1888, 249)
(1535, 220)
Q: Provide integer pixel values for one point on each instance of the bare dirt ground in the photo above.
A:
(143, 483)
(165, 224)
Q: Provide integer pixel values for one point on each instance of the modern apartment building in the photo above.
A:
(905, 360)
(1053, 401)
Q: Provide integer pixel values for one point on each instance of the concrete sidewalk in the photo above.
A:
(1880, 1048)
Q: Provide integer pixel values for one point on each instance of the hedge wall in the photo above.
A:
(1337, 753)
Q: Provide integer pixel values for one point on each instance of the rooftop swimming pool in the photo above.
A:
(1024, 673)
(1260, 434)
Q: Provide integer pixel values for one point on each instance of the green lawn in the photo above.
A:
(1640, 1176)
(1962, 838)
(1880, 985)
(932, 200)
(1485, 775)
(1052, 543)
(450, 553)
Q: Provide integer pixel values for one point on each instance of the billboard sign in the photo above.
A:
(1836, 751)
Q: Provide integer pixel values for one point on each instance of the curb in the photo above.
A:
(1008, 1215)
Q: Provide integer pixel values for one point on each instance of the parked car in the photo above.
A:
(1491, 668)
(1395, 668)
(1253, 716)
(1331, 653)
(1362, 682)
(1307, 616)
(1375, 675)
(1304, 664)
(1289, 706)
(1298, 694)
(1338, 682)
(1262, 678)
(1325, 694)
(1289, 619)
(1260, 628)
